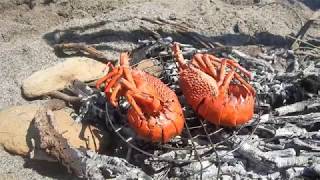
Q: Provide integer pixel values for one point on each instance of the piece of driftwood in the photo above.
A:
(305, 144)
(302, 120)
(84, 164)
(63, 96)
(303, 30)
(312, 172)
(302, 106)
(252, 60)
(81, 47)
(290, 131)
(181, 28)
(273, 160)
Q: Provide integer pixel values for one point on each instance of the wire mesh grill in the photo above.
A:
(199, 141)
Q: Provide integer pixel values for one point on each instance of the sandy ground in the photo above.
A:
(28, 30)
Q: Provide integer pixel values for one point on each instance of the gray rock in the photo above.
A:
(17, 130)
(57, 77)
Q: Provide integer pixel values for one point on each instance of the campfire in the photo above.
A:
(96, 89)
(280, 141)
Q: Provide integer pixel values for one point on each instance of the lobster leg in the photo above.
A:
(222, 72)
(225, 81)
(233, 64)
(236, 65)
(131, 95)
(177, 53)
(124, 61)
(133, 103)
(138, 94)
(230, 63)
(216, 61)
(245, 84)
(106, 77)
(212, 71)
(153, 104)
(129, 77)
(199, 61)
(113, 80)
(114, 94)
(205, 64)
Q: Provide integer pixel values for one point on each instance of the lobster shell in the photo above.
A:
(208, 88)
(155, 112)
(163, 125)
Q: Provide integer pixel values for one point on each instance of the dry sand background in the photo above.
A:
(28, 28)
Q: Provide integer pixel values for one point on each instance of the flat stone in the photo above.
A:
(149, 66)
(16, 130)
(60, 75)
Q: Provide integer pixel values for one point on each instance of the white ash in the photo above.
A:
(280, 144)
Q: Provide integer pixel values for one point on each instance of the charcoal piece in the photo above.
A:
(311, 84)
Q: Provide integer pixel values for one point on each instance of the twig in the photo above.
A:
(314, 55)
(318, 48)
(84, 48)
(63, 96)
(184, 30)
(303, 30)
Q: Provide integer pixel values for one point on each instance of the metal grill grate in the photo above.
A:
(199, 141)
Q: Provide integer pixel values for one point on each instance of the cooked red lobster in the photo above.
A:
(222, 97)
(155, 113)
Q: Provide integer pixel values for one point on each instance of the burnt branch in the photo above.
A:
(81, 47)
(63, 96)
(84, 164)
(302, 106)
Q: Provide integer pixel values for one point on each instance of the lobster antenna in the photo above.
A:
(178, 55)
(124, 59)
